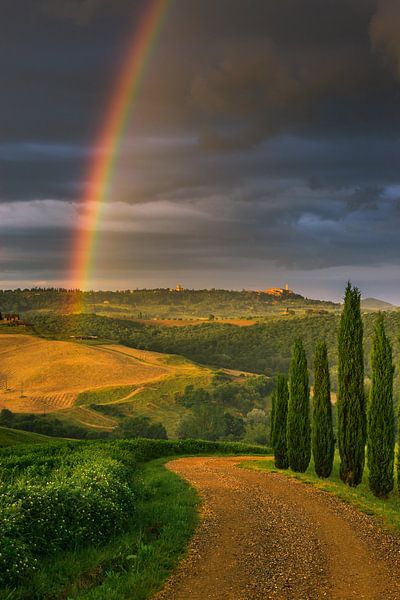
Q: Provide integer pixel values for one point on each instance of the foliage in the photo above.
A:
(47, 425)
(298, 418)
(133, 427)
(351, 398)
(206, 422)
(72, 494)
(322, 438)
(261, 348)
(257, 427)
(153, 302)
(381, 437)
(279, 440)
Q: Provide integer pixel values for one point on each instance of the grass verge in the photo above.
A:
(134, 565)
(386, 512)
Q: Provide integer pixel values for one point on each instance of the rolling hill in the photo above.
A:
(10, 437)
(93, 386)
(376, 304)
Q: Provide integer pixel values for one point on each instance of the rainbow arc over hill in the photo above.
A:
(121, 107)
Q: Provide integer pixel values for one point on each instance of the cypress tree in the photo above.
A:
(272, 419)
(380, 440)
(322, 438)
(351, 399)
(280, 422)
(298, 418)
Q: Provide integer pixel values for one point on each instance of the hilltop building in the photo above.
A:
(278, 291)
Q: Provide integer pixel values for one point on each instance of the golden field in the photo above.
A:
(38, 375)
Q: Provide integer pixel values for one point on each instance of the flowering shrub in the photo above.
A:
(66, 495)
(61, 502)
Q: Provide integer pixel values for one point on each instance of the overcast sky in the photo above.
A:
(264, 148)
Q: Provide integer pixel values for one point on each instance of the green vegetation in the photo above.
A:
(228, 410)
(322, 438)
(106, 395)
(351, 397)
(47, 425)
(387, 511)
(10, 437)
(157, 303)
(381, 436)
(279, 435)
(89, 520)
(298, 417)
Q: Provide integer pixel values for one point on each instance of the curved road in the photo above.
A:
(264, 535)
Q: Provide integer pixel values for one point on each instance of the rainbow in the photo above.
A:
(108, 144)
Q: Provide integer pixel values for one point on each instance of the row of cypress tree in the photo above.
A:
(294, 434)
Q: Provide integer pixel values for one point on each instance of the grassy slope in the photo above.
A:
(155, 399)
(158, 378)
(10, 437)
(387, 511)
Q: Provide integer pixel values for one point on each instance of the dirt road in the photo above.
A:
(266, 536)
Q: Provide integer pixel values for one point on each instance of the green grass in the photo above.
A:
(386, 512)
(136, 564)
(157, 528)
(157, 399)
(10, 437)
(105, 395)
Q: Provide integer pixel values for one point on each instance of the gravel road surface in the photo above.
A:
(263, 535)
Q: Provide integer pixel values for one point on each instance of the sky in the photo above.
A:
(264, 147)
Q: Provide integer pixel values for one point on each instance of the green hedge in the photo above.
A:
(66, 495)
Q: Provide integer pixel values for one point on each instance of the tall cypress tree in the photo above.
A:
(351, 399)
(272, 419)
(280, 423)
(322, 438)
(298, 418)
(380, 440)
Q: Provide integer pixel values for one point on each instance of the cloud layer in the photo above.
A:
(263, 145)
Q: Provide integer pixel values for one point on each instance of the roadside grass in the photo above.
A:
(386, 511)
(134, 565)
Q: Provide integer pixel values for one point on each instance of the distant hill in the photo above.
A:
(10, 437)
(178, 303)
(376, 304)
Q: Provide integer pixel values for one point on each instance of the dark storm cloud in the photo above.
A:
(385, 33)
(266, 136)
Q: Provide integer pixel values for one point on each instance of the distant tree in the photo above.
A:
(322, 438)
(381, 436)
(279, 440)
(6, 417)
(142, 426)
(233, 426)
(205, 422)
(256, 427)
(298, 418)
(351, 398)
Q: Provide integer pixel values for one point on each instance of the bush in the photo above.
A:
(66, 495)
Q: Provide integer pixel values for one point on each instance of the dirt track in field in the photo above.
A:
(263, 535)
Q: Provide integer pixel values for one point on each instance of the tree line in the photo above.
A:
(299, 428)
